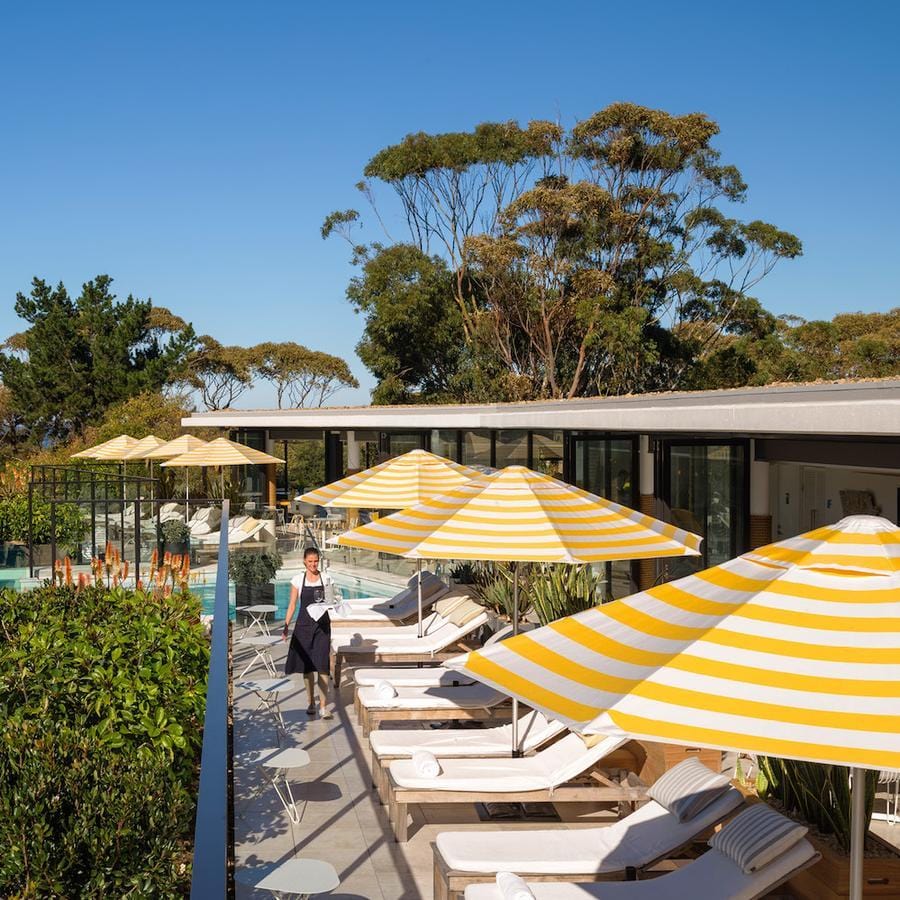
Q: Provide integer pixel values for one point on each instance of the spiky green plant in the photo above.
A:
(558, 590)
(818, 793)
(494, 587)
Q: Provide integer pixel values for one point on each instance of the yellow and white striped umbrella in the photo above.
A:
(792, 650)
(396, 484)
(114, 449)
(143, 447)
(222, 452)
(520, 515)
(176, 447)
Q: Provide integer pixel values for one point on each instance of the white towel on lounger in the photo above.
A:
(426, 764)
(512, 887)
(384, 690)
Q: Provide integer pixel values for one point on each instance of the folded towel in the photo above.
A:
(426, 764)
(512, 887)
(384, 690)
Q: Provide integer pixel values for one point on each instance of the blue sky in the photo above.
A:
(191, 150)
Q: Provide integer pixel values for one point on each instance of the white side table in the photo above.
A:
(267, 691)
(262, 645)
(258, 613)
(301, 878)
(276, 764)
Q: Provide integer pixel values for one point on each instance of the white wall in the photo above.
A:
(805, 497)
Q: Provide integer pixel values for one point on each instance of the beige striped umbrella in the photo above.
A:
(115, 449)
(396, 484)
(791, 650)
(143, 447)
(176, 447)
(221, 452)
(518, 515)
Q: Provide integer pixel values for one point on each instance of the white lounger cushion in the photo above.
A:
(411, 677)
(637, 840)
(534, 730)
(406, 642)
(465, 696)
(547, 769)
(404, 603)
(712, 877)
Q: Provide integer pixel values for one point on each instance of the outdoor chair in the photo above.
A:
(391, 611)
(606, 853)
(443, 638)
(535, 730)
(568, 771)
(739, 865)
(470, 702)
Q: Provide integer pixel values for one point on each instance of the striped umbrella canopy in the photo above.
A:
(114, 449)
(520, 515)
(395, 484)
(222, 452)
(791, 650)
(144, 446)
(176, 447)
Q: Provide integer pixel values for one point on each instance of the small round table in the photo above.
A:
(258, 613)
(297, 877)
(275, 763)
(262, 645)
(267, 691)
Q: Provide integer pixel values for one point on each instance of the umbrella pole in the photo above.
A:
(222, 475)
(515, 630)
(419, 591)
(857, 831)
(187, 492)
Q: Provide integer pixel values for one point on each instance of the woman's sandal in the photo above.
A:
(311, 709)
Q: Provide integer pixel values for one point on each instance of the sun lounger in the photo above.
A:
(644, 837)
(535, 730)
(391, 611)
(443, 638)
(472, 702)
(565, 772)
(716, 875)
(411, 676)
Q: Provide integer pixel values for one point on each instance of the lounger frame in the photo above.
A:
(450, 884)
(602, 783)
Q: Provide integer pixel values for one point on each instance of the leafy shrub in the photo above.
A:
(557, 590)
(14, 521)
(819, 794)
(174, 531)
(253, 568)
(101, 705)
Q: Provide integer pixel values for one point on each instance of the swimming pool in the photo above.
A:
(350, 587)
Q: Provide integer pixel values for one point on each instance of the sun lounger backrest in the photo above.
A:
(569, 757)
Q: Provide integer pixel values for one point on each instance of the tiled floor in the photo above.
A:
(342, 821)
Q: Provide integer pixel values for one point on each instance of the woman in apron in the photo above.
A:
(310, 649)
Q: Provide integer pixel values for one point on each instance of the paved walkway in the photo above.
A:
(341, 819)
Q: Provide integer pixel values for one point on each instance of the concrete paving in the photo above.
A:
(341, 820)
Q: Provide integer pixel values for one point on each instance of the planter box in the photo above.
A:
(829, 879)
(250, 595)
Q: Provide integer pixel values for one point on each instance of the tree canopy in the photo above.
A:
(602, 259)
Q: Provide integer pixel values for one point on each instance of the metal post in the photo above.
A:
(93, 517)
(515, 628)
(857, 830)
(122, 514)
(52, 536)
(137, 540)
(419, 590)
(31, 529)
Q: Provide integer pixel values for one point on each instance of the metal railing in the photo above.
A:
(212, 831)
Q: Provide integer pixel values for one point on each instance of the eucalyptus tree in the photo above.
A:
(301, 377)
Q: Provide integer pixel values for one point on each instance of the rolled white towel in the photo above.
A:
(426, 764)
(512, 887)
(384, 690)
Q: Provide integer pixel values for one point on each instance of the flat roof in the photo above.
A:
(840, 408)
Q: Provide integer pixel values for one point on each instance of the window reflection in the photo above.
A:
(511, 449)
(547, 452)
(476, 448)
(443, 443)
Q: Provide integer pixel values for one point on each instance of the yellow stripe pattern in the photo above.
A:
(176, 447)
(222, 452)
(116, 449)
(395, 484)
(518, 514)
(780, 651)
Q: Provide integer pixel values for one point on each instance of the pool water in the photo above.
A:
(350, 588)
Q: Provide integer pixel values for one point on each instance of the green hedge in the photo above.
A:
(101, 708)
(14, 521)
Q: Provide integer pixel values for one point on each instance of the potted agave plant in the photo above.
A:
(820, 796)
(252, 574)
